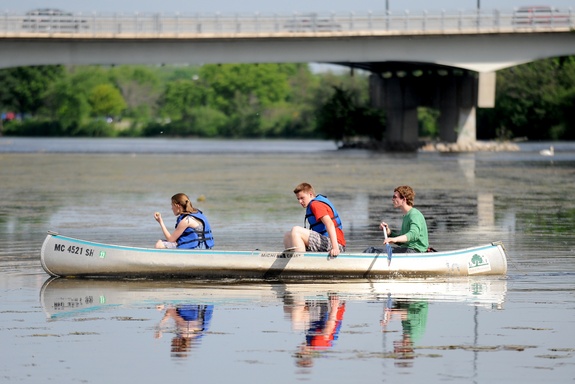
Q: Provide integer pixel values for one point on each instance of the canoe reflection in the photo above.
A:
(74, 297)
(191, 322)
(316, 310)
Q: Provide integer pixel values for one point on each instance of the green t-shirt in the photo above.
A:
(415, 228)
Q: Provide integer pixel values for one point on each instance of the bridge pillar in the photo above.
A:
(456, 99)
(402, 127)
(486, 90)
(453, 92)
(457, 125)
(400, 100)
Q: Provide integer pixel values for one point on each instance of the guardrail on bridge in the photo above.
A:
(144, 25)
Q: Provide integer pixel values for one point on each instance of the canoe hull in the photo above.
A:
(63, 256)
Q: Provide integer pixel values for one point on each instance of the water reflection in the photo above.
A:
(191, 322)
(320, 318)
(303, 302)
(413, 317)
(315, 312)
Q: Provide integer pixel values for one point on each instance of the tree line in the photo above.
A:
(533, 100)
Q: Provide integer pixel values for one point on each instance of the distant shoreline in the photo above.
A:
(478, 146)
(435, 146)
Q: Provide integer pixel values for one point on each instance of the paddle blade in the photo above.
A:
(389, 302)
(387, 247)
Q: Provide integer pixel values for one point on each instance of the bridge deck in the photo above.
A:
(210, 26)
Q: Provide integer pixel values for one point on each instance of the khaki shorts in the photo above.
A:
(320, 243)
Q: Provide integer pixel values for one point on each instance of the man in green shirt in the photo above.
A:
(413, 235)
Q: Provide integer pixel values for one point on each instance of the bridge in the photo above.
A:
(445, 60)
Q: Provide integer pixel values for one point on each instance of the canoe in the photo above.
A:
(64, 298)
(66, 257)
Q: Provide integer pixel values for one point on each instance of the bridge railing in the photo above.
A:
(218, 25)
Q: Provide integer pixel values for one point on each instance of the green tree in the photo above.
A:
(244, 93)
(140, 88)
(566, 130)
(344, 118)
(529, 99)
(336, 117)
(106, 100)
(23, 88)
(297, 116)
(262, 84)
(181, 97)
(428, 122)
(67, 106)
(566, 101)
(207, 122)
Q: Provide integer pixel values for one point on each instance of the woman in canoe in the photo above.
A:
(192, 227)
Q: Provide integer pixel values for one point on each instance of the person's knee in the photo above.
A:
(160, 244)
(297, 230)
(290, 234)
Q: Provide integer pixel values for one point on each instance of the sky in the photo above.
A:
(268, 6)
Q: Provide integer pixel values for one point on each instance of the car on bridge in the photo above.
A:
(540, 15)
(53, 20)
(311, 22)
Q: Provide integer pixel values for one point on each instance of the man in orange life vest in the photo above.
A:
(325, 225)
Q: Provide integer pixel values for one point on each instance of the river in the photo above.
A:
(500, 329)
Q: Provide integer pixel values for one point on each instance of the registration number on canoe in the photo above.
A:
(74, 250)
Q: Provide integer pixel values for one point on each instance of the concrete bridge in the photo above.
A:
(442, 60)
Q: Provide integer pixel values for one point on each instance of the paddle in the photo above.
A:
(387, 247)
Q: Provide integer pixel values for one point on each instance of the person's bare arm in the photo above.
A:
(332, 234)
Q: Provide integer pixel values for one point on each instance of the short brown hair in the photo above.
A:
(304, 187)
(407, 193)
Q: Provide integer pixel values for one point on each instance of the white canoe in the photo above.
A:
(65, 256)
(63, 298)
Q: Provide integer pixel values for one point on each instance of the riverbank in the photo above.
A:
(434, 146)
(478, 146)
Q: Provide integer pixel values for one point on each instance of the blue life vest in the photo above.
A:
(191, 238)
(318, 226)
(190, 312)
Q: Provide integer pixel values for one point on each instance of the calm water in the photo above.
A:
(517, 328)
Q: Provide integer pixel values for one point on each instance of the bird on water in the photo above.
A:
(547, 152)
